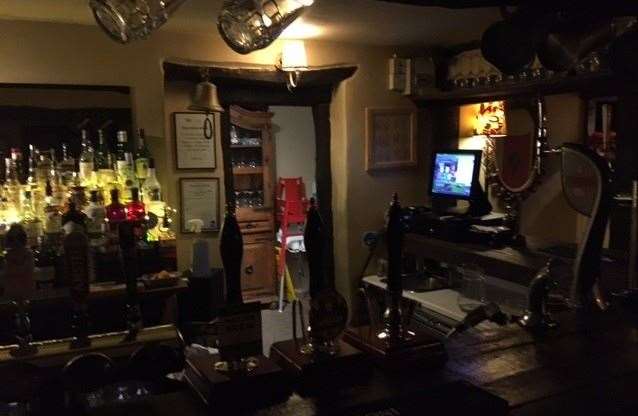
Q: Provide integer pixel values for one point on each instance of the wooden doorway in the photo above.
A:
(259, 86)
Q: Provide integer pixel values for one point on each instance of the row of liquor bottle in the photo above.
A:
(41, 193)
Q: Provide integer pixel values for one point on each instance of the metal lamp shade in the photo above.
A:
(249, 25)
(206, 99)
(128, 20)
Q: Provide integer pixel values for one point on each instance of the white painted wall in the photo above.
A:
(294, 133)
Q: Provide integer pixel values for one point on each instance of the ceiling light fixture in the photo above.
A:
(249, 25)
(293, 61)
(129, 20)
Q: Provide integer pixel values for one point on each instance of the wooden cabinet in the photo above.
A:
(258, 267)
(252, 157)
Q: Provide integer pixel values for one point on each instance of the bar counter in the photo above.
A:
(588, 366)
(51, 309)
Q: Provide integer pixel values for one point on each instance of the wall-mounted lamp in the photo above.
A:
(129, 20)
(293, 61)
(490, 120)
(249, 25)
(205, 99)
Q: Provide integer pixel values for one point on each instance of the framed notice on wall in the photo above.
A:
(195, 140)
(390, 138)
(199, 200)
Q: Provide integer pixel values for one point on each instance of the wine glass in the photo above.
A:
(472, 287)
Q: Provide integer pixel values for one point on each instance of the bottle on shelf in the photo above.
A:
(125, 169)
(12, 185)
(32, 173)
(52, 211)
(18, 162)
(44, 167)
(46, 259)
(135, 208)
(73, 216)
(30, 221)
(66, 166)
(115, 211)
(87, 163)
(151, 189)
(96, 215)
(142, 157)
(103, 165)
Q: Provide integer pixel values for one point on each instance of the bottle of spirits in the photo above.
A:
(18, 163)
(96, 215)
(125, 168)
(142, 157)
(32, 174)
(87, 163)
(115, 211)
(30, 221)
(103, 165)
(73, 216)
(151, 189)
(66, 166)
(44, 167)
(135, 211)
(12, 184)
(121, 150)
(46, 258)
(52, 213)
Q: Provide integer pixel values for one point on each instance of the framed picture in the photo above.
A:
(390, 139)
(199, 200)
(195, 140)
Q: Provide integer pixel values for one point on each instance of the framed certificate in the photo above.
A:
(199, 200)
(390, 138)
(195, 140)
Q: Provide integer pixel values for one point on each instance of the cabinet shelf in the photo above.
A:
(248, 171)
(583, 83)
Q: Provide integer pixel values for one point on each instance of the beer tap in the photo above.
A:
(536, 317)
(76, 266)
(22, 322)
(128, 252)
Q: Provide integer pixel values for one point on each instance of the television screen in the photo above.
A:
(453, 173)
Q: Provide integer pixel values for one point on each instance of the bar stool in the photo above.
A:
(21, 383)
(152, 363)
(85, 374)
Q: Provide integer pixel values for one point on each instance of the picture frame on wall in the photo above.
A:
(199, 199)
(194, 140)
(391, 139)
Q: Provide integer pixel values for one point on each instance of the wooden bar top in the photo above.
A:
(98, 291)
(515, 264)
(588, 366)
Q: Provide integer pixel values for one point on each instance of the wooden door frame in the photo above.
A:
(258, 86)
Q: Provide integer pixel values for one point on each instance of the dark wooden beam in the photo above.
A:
(323, 177)
(258, 76)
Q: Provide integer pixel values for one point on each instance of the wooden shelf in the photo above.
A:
(248, 171)
(593, 83)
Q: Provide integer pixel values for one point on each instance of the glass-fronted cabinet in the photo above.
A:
(252, 159)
